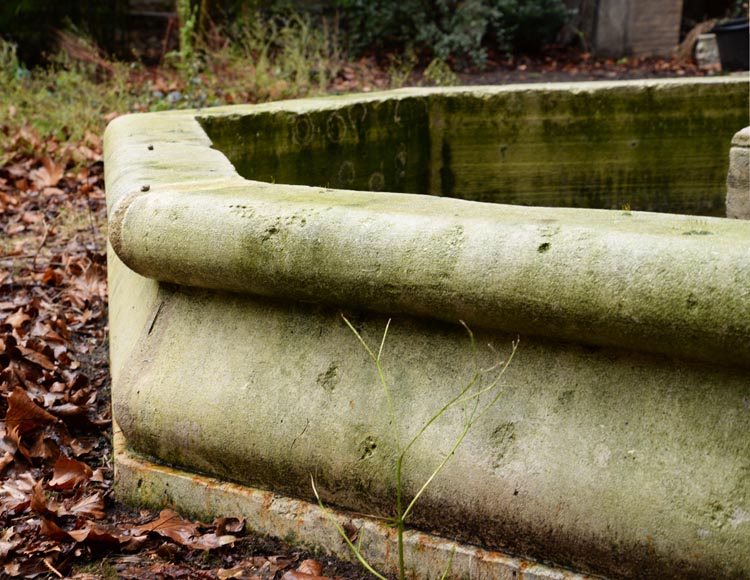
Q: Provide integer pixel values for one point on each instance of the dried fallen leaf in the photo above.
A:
(24, 416)
(9, 541)
(171, 525)
(69, 473)
(240, 571)
(50, 529)
(225, 525)
(48, 175)
(79, 447)
(27, 568)
(91, 506)
(37, 358)
(352, 531)
(295, 575)
(165, 571)
(18, 318)
(93, 533)
(42, 504)
(5, 460)
(53, 277)
(281, 562)
(210, 541)
(15, 494)
(310, 566)
(250, 567)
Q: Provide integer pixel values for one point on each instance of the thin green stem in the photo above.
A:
(445, 407)
(472, 413)
(399, 515)
(355, 550)
(468, 423)
(401, 564)
(439, 468)
(496, 380)
(455, 399)
(381, 376)
(359, 337)
(382, 341)
(391, 413)
(450, 564)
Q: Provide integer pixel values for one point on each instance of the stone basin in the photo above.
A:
(580, 218)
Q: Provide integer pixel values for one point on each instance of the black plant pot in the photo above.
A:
(734, 43)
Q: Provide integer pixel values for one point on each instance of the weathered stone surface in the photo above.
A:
(738, 178)
(585, 275)
(620, 445)
(741, 138)
(707, 52)
(584, 445)
(637, 27)
(147, 483)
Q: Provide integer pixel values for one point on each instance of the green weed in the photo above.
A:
(471, 398)
(283, 55)
(401, 68)
(10, 66)
(187, 15)
(439, 73)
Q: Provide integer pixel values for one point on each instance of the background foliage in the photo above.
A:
(456, 31)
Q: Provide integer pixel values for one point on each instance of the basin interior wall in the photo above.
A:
(620, 444)
(609, 149)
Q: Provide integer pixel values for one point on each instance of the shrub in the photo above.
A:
(458, 29)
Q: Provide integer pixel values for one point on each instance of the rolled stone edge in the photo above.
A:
(675, 285)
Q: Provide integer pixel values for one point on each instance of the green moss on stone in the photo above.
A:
(651, 149)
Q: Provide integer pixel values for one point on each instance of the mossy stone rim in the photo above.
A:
(671, 284)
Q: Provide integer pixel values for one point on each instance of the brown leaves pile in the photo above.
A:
(54, 482)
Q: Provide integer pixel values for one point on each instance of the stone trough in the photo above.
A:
(583, 219)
